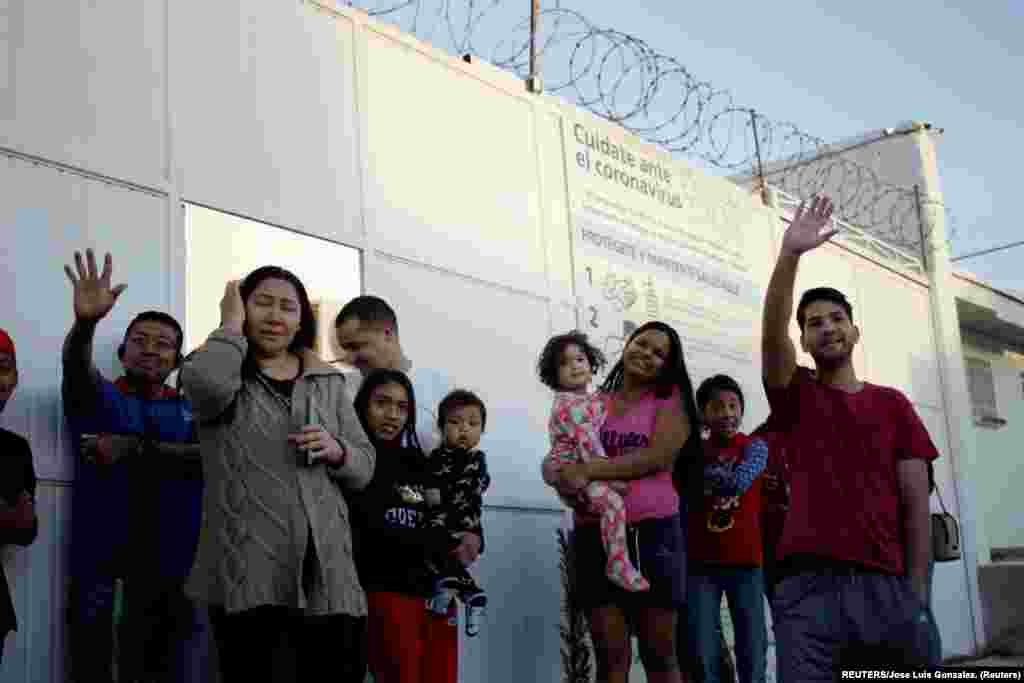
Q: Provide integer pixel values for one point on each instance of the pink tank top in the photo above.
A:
(654, 496)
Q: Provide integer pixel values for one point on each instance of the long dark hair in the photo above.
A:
(305, 337)
(362, 404)
(673, 375)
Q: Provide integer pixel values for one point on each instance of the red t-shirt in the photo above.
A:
(843, 449)
(741, 544)
(774, 493)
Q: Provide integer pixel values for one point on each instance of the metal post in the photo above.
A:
(533, 82)
(920, 227)
(954, 393)
(757, 150)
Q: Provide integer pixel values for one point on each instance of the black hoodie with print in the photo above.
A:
(392, 540)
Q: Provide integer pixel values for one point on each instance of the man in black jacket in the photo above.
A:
(18, 523)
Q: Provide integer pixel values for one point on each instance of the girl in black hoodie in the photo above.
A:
(406, 643)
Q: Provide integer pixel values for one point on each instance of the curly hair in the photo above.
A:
(551, 356)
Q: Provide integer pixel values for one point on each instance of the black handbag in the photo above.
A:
(945, 534)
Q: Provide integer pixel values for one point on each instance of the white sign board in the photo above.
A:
(653, 239)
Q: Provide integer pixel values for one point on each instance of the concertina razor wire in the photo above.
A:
(621, 78)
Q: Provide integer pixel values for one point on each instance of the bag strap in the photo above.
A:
(938, 492)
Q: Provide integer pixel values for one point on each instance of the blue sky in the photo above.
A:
(837, 69)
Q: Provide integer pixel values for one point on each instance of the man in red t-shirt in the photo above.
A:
(853, 557)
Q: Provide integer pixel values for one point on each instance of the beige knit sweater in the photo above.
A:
(260, 503)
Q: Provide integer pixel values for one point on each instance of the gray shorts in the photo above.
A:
(832, 619)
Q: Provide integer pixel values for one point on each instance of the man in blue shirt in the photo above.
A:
(137, 494)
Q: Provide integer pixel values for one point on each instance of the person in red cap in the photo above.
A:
(18, 522)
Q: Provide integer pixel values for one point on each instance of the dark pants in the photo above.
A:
(360, 653)
(688, 660)
(770, 571)
(829, 619)
(91, 628)
(931, 578)
(276, 644)
(744, 591)
(162, 636)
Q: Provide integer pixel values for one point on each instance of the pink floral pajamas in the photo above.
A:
(574, 429)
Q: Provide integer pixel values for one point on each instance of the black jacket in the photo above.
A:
(16, 476)
(392, 540)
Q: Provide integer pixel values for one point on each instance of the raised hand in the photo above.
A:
(232, 308)
(808, 231)
(93, 295)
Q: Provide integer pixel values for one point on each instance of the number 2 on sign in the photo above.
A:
(593, 316)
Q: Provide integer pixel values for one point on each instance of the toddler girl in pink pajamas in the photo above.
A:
(567, 365)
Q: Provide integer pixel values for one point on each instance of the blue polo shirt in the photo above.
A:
(141, 514)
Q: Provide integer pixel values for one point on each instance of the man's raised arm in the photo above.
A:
(93, 299)
(805, 232)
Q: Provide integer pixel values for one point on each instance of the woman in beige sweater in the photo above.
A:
(279, 441)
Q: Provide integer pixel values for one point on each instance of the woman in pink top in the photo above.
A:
(651, 422)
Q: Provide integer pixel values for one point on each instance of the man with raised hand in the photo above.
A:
(853, 556)
(137, 494)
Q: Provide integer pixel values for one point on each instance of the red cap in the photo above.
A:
(6, 343)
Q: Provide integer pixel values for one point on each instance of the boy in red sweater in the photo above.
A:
(724, 541)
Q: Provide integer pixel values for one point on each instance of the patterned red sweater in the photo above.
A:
(726, 531)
